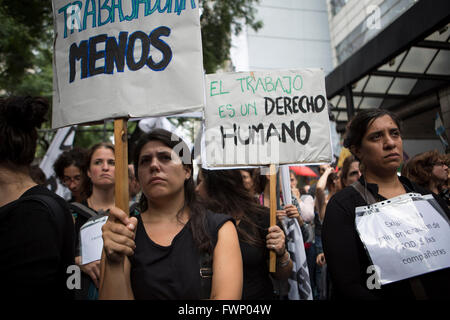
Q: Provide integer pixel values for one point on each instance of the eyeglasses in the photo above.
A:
(67, 180)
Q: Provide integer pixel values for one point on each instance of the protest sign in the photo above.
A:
(259, 118)
(125, 58)
(405, 236)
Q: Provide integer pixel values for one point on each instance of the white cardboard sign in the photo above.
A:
(266, 117)
(405, 236)
(125, 58)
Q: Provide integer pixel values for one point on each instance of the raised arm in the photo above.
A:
(321, 202)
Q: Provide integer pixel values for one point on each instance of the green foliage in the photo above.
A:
(219, 18)
(26, 41)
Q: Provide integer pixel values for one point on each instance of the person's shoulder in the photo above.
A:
(215, 218)
(43, 191)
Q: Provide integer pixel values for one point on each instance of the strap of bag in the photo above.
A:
(206, 273)
(89, 213)
(55, 210)
(365, 194)
(415, 283)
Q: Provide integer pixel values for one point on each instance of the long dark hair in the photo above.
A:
(197, 213)
(19, 119)
(227, 194)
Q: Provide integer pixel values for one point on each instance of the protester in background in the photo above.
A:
(36, 228)
(247, 180)
(163, 253)
(327, 186)
(302, 211)
(69, 170)
(374, 137)
(133, 188)
(430, 171)
(223, 191)
(37, 175)
(350, 172)
(99, 169)
(294, 183)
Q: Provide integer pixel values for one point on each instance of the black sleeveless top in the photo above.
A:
(172, 272)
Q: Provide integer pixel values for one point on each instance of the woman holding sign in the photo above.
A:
(166, 251)
(224, 191)
(373, 137)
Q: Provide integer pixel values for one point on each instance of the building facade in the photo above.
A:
(392, 54)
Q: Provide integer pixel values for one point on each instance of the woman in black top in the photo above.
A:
(36, 227)
(373, 136)
(158, 254)
(223, 191)
(99, 171)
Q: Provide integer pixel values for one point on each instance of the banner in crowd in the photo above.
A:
(127, 58)
(259, 118)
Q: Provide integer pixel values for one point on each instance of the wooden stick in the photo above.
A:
(121, 170)
(273, 212)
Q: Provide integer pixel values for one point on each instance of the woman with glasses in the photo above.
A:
(69, 170)
(429, 170)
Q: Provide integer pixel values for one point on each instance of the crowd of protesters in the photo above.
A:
(204, 237)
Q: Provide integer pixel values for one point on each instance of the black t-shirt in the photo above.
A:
(36, 248)
(348, 261)
(172, 272)
(257, 283)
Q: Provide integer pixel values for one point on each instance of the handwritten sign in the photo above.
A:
(126, 58)
(405, 236)
(259, 118)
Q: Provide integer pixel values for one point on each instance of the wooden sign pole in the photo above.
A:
(121, 170)
(273, 212)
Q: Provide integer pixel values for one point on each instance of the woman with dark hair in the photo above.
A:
(430, 171)
(247, 180)
(99, 168)
(36, 227)
(374, 138)
(69, 170)
(350, 171)
(165, 252)
(223, 191)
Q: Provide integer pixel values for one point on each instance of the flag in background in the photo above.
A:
(299, 281)
(440, 130)
(62, 141)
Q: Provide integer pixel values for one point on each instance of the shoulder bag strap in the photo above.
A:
(205, 275)
(55, 209)
(84, 208)
(365, 194)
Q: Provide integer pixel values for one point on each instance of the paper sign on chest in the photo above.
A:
(125, 58)
(405, 236)
(267, 117)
